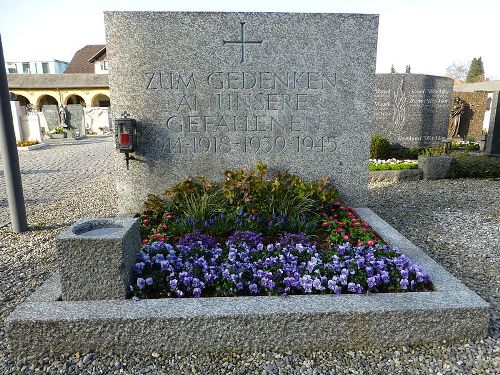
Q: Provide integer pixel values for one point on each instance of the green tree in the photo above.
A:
(476, 71)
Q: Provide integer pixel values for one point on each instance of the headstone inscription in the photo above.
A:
(51, 114)
(412, 109)
(212, 91)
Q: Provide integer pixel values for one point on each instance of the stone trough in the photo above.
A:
(44, 322)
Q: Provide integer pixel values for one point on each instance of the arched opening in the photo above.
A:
(23, 101)
(75, 99)
(46, 100)
(100, 100)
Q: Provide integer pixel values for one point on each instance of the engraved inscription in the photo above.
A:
(247, 144)
(260, 112)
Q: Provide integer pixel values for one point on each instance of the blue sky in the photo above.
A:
(429, 35)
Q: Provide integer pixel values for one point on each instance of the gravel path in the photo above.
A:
(456, 221)
(60, 169)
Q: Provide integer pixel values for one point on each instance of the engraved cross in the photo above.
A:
(242, 42)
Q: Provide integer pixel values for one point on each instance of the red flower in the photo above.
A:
(370, 242)
(325, 223)
(145, 241)
(145, 221)
(164, 227)
(360, 243)
(338, 230)
(345, 237)
(168, 217)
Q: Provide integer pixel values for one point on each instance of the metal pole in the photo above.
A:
(10, 158)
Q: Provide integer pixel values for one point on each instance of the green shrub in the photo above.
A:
(403, 153)
(431, 151)
(413, 152)
(279, 193)
(246, 200)
(472, 147)
(380, 148)
(465, 165)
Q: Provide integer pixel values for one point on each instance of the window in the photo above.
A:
(12, 69)
(26, 67)
(45, 67)
(104, 65)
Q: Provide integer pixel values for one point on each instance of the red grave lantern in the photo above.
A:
(126, 135)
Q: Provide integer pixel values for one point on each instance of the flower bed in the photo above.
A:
(392, 164)
(26, 143)
(253, 235)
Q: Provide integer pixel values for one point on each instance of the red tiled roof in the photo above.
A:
(80, 62)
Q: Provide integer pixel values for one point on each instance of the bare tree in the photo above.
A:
(457, 70)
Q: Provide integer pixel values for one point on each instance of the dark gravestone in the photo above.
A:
(213, 91)
(493, 140)
(51, 114)
(75, 120)
(412, 109)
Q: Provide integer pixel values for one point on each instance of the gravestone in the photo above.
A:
(412, 110)
(51, 114)
(212, 91)
(493, 139)
(75, 120)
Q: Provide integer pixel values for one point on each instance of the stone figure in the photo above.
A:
(30, 108)
(457, 111)
(62, 116)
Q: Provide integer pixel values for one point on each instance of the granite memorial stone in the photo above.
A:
(412, 110)
(75, 120)
(51, 114)
(212, 91)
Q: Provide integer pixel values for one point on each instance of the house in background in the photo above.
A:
(36, 67)
(90, 59)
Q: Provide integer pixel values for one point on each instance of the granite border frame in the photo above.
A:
(314, 322)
